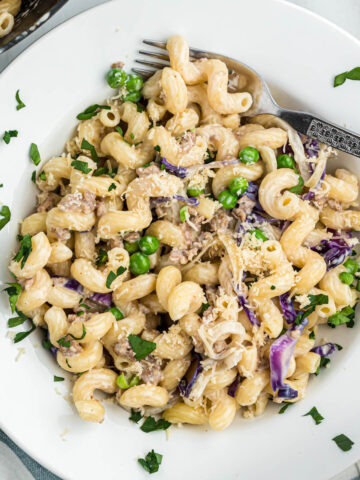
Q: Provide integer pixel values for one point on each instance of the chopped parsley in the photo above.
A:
(112, 187)
(117, 313)
(157, 148)
(204, 307)
(33, 176)
(85, 145)
(315, 415)
(151, 462)
(139, 108)
(15, 321)
(82, 166)
(343, 442)
(9, 134)
(132, 136)
(34, 154)
(120, 131)
(102, 257)
(312, 335)
(151, 425)
(20, 103)
(91, 111)
(46, 344)
(6, 214)
(13, 291)
(315, 300)
(67, 363)
(324, 361)
(135, 416)
(24, 250)
(66, 343)
(58, 379)
(42, 176)
(141, 347)
(284, 408)
(112, 276)
(105, 171)
(272, 287)
(21, 335)
(353, 74)
(345, 315)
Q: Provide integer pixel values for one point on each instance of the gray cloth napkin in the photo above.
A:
(15, 464)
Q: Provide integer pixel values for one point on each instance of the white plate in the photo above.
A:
(298, 53)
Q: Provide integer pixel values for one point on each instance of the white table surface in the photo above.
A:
(345, 13)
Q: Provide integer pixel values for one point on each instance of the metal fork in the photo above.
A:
(305, 123)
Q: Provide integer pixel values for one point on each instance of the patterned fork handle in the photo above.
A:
(325, 132)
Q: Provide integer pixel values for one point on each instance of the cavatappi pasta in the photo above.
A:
(8, 10)
(181, 258)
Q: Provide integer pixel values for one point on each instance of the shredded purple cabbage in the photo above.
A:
(281, 352)
(308, 196)
(181, 172)
(233, 387)
(324, 350)
(311, 148)
(333, 251)
(252, 192)
(73, 284)
(284, 224)
(103, 298)
(287, 307)
(185, 385)
(193, 201)
(249, 313)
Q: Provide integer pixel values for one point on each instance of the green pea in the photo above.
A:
(249, 155)
(194, 191)
(346, 278)
(227, 199)
(184, 214)
(149, 244)
(131, 247)
(139, 263)
(134, 83)
(116, 78)
(351, 266)
(132, 97)
(259, 234)
(285, 161)
(299, 187)
(238, 185)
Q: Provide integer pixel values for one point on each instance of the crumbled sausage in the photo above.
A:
(85, 203)
(47, 201)
(100, 207)
(116, 242)
(132, 237)
(220, 221)
(150, 170)
(151, 371)
(123, 348)
(62, 234)
(74, 348)
(187, 141)
(244, 207)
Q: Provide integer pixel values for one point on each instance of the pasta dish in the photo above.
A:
(182, 255)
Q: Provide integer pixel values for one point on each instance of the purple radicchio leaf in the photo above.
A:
(73, 284)
(324, 350)
(287, 308)
(333, 251)
(185, 384)
(103, 298)
(249, 313)
(281, 352)
(181, 172)
(194, 202)
(233, 387)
